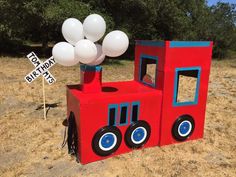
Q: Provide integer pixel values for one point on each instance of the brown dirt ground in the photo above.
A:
(31, 146)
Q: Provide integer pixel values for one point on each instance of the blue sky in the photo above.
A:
(212, 2)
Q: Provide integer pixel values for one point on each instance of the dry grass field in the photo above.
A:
(31, 146)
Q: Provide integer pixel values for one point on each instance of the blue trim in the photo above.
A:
(135, 103)
(151, 43)
(175, 103)
(174, 44)
(127, 110)
(140, 66)
(90, 68)
(110, 106)
(149, 56)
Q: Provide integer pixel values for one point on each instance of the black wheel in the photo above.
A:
(106, 141)
(72, 136)
(137, 134)
(183, 127)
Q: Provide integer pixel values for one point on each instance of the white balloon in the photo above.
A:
(85, 51)
(94, 27)
(115, 43)
(100, 56)
(64, 54)
(72, 30)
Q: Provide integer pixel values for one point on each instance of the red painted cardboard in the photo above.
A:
(90, 100)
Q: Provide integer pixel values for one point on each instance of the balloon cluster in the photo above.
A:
(86, 51)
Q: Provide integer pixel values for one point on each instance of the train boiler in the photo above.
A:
(108, 119)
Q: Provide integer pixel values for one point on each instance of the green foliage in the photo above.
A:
(38, 21)
(223, 29)
(41, 20)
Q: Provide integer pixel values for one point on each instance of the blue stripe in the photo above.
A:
(90, 68)
(151, 43)
(175, 44)
(149, 56)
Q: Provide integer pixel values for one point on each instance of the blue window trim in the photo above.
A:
(140, 66)
(135, 103)
(175, 44)
(175, 103)
(116, 111)
(127, 113)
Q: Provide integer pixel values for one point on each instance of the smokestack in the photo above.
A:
(91, 78)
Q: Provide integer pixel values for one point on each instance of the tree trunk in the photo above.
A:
(44, 46)
(44, 41)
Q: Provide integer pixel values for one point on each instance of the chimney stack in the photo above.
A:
(91, 78)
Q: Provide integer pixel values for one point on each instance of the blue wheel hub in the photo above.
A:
(184, 127)
(138, 134)
(107, 141)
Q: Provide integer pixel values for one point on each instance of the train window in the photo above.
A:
(148, 70)
(186, 89)
(112, 114)
(135, 111)
(124, 113)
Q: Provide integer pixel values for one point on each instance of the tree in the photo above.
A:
(46, 18)
(40, 21)
(223, 28)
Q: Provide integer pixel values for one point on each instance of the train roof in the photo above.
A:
(174, 44)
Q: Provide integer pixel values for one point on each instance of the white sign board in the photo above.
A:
(41, 68)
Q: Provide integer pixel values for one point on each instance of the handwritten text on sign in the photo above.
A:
(41, 69)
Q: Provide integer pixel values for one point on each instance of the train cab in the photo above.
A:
(182, 74)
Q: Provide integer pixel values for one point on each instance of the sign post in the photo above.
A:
(44, 102)
(41, 68)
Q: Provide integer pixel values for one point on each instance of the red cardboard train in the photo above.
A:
(107, 119)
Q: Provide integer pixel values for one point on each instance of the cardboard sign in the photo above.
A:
(40, 69)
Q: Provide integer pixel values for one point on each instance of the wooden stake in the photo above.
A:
(44, 101)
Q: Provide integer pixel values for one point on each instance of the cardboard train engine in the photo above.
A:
(164, 104)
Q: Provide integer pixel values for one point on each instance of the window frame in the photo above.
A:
(127, 113)
(142, 56)
(135, 103)
(176, 84)
(112, 106)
